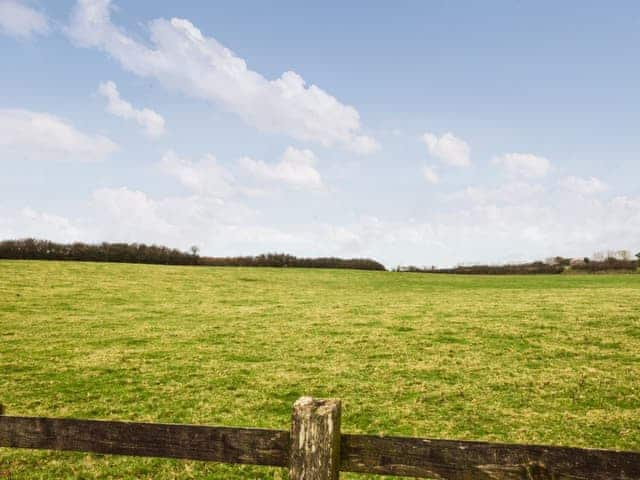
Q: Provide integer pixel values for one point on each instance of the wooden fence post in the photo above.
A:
(315, 439)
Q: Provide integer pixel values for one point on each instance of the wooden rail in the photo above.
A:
(315, 449)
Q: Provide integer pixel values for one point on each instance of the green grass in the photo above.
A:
(532, 359)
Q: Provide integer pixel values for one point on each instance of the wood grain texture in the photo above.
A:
(219, 444)
(459, 460)
(413, 457)
(315, 440)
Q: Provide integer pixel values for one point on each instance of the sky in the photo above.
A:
(421, 133)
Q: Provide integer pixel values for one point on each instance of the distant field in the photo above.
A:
(531, 359)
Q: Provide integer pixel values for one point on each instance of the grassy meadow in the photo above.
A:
(533, 359)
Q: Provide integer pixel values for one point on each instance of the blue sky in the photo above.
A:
(412, 132)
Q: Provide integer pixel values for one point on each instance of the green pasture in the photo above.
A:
(531, 359)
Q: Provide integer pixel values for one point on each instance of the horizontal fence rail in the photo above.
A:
(451, 459)
(315, 449)
(216, 444)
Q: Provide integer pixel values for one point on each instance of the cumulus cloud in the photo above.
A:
(219, 226)
(296, 169)
(450, 149)
(182, 58)
(430, 174)
(30, 223)
(204, 177)
(584, 186)
(523, 164)
(128, 214)
(41, 136)
(21, 21)
(151, 121)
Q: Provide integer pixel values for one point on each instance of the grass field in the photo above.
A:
(536, 359)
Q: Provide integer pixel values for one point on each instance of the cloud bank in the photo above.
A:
(517, 221)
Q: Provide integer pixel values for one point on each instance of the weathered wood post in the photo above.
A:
(315, 439)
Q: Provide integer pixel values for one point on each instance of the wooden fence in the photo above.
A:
(315, 449)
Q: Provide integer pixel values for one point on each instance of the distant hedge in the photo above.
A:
(32, 249)
(284, 260)
(589, 266)
(519, 269)
(610, 264)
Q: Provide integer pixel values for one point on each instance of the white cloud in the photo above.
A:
(123, 214)
(41, 136)
(21, 21)
(364, 145)
(295, 168)
(127, 214)
(182, 58)
(29, 223)
(450, 149)
(205, 177)
(217, 225)
(508, 193)
(523, 164)
(430, 175)
(208, 178)
(151, 121)
(584, 186)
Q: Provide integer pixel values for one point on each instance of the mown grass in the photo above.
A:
(532, 359)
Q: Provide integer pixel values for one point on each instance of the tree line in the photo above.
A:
(512, 269)
(34, 249)
(613, 261)
(284, 260)
(606, 265)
